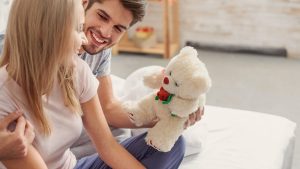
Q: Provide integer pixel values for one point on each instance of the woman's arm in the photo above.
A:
(33, 160)
(111, 152)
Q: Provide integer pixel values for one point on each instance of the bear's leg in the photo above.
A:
(165, 133)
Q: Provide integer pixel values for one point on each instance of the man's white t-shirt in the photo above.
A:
(66, 126)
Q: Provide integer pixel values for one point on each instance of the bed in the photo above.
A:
(226, 138)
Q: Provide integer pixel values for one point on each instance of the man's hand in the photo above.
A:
(14, 144)
(194, 117)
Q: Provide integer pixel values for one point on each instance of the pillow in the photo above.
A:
(195, 137)
(133, 86)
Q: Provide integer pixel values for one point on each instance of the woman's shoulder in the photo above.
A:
(82, 68)
(86, 82)
(80, 64)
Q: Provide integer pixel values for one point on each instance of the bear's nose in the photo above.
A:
(166, 80)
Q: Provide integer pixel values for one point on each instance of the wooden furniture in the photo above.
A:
(170, 41)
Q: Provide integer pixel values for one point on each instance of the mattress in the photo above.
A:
(239, 139)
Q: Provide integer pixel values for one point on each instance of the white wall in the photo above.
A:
(262, 23)
(267, 23)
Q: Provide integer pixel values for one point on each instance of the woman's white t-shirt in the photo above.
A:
(66, 126)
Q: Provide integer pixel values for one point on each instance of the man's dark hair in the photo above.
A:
(136, 7)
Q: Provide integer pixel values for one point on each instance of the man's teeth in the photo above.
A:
(97, 39)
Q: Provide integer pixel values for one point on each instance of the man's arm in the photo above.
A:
(112, 108)
(14, 144)
(20, 154)
(32, 160)
(117, 117)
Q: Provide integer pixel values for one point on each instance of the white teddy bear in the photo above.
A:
(183, 86)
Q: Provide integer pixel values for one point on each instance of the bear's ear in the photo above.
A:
(202, 82)
(154, 80)
(188, 51)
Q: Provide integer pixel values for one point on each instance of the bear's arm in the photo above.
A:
(183, 108)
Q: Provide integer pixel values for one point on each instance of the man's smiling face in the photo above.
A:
(105, 24)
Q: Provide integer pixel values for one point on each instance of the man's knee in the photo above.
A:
(180, 146)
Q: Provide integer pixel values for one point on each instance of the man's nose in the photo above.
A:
(106, 31)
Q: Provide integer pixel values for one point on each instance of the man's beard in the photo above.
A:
(90, 50)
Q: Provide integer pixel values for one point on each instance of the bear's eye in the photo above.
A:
(176, 84)
(170, 73)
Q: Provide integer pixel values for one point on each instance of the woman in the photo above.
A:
(40, 73)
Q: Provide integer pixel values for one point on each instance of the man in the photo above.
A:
(105, 23)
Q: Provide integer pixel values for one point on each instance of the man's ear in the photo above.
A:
(85, 3)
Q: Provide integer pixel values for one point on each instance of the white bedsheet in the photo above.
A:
(239, 139)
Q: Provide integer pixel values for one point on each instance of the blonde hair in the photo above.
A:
(38, 49)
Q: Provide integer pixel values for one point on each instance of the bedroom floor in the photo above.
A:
(268, 84)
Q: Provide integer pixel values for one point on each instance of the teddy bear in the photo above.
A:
(182, 85)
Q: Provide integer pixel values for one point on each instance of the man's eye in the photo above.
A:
(118, 29)
(102, 17)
